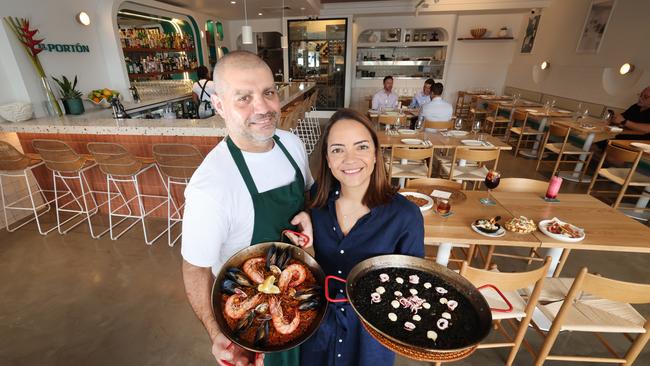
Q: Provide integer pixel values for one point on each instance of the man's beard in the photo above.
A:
(257, 118)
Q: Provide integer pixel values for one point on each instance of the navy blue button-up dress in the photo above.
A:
(394, 228)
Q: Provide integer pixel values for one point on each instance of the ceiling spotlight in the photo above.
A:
(545, 65)
(259, 13)
(626, 68)
(233, 2)
(83, 18)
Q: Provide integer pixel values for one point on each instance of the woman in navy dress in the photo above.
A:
(356, 215)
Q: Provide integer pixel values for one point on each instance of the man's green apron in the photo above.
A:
(273, 211)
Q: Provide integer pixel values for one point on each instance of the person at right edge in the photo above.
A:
(356, 215)
(635, 118)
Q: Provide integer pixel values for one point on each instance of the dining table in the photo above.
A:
(439, 139)
(591, 130)
(606, 229)
(542, 115)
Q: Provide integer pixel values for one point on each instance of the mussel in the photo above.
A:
(309, 304)
(307, 293)
(277, 257)
(283, 258)
(229, 286)
(235, 274)
(244, 323)
(262, 334)
(271, 256)
(262, 308)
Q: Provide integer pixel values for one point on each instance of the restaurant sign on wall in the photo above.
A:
(60, 47)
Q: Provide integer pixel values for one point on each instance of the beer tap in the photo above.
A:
(118, 109)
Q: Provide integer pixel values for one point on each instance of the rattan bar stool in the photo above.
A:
(177, 162)
(120, 166)
(14, 164)
(68, 166)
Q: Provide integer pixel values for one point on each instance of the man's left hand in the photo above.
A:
(303, 221)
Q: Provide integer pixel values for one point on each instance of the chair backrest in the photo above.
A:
(615, 290)
(11, 158)
(177, 160)
(58, 156)
(558, 130)
(386, 119)
(492, 107)
(480, 156)
(519, 117)
(114, 159)
(398, 153)
(438, 125)
(505, 281)
(621, 154)
(429, 183)
(521, 185)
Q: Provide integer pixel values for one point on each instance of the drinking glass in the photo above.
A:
(476, 126)
(547, 107)
(397, 123)
(585, 113)
(492, 179)
(443, 206)
(577, 112)
(458, 124)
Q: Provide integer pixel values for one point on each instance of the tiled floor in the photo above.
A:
(71, 300)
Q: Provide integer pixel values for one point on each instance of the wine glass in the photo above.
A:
(476, 126)
(585, 113)
(458, 124)
(397, 124)
(547, 106)
(492, 179)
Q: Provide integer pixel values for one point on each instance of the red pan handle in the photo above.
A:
(303, 236)
(500, 310)
(327, 293)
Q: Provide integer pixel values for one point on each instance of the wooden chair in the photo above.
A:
(624, 176)
(438, 125)
(461, 109)
(410, 162)
(429, 183)
(520, 128)
(598, 305)
(476, 111)
(509, 284)
(561, 149)
(495, 121)
(472, 173)
(392, 120)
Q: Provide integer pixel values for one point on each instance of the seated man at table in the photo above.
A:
(423, 97)
(635, 118)
(385, 98)
(438, 109)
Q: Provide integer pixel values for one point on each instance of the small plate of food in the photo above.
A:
(520, 225)
(423, 201)
(489, 227)
(562, 231)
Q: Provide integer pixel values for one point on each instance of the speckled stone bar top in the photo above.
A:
(100, 122)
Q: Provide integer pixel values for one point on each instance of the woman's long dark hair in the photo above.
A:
(379, 190)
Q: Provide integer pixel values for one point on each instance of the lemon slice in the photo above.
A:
(267, 287)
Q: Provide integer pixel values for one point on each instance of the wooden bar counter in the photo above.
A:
(136, 135)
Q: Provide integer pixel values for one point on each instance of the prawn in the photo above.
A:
(278, 318)
(253, 270)
(292, 276)
(238, 304)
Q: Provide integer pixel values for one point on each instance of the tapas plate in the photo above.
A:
(472, 142)
(412, 141)
(423, 201)
(406, 131)
(568, 233)
(499, 233)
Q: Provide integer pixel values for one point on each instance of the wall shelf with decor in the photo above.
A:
(486, 39)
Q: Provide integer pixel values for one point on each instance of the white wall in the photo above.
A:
(579, 75)
(469, 63)
(102, 67)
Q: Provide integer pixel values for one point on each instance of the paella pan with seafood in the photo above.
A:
(268, 297)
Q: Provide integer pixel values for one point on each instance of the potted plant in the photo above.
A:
(70, 96)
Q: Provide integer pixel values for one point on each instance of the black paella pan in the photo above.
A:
(261, 250)
(468, 323)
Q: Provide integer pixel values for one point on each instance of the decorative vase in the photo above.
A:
(51, 105)
(73, 106)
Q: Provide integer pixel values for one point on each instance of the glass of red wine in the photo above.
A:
(492, 179)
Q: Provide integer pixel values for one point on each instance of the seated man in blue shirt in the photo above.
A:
(423, 97)
(438, 109)
(385, 98)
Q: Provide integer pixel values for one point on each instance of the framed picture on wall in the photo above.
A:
(531, 32)
(595, 26)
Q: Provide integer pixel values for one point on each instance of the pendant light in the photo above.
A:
(284, 41)
(246, 30)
